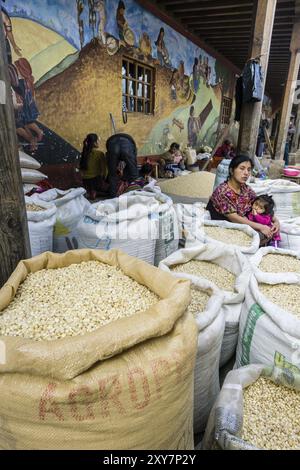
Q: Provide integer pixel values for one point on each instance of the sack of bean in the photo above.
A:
(99, 353)
(228, 270)
(240, 237)
(41, 219)
(290, 234)
(269, 329)
(190, 217)
(271, 265)
(206, 306)
(257, 408)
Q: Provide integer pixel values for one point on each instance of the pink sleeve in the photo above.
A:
(262, 219)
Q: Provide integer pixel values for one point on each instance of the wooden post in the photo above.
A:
(261, 41)
(289, 92)
(14, 238)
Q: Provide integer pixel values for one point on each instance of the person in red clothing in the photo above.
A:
(226, 150)
(262, 213)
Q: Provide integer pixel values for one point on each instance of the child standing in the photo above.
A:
(262, 213)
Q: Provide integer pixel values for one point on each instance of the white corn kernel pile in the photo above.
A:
(198, 184)
(286, 296)
(273, 263)
(221, 277)
(34, 208)
(228, 236)
(55, 303)
(199, 300)
(271, 416)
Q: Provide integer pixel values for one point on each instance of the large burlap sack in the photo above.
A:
(267, 332)
(228, 259)
(225, 425)
(32, 176)
(129, 223)
(70, 204)
(127, 385)
(168, 234)
(290, 234)
(190, 217)
(26, 161)
(211, 324)
(246, 250)
(40, 227)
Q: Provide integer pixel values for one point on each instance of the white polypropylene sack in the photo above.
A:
(290, 234)
(211, 324)
(71, 205)
(168, 233)
(225, 424)
(267, 333)
(234, 262)
(271, 278)
(248, 250)
(40, 227)
(222, 172)
(190, 217)
(26, 161)
(129, 223)
(32, 176)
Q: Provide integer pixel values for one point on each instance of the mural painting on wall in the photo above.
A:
(64, 57)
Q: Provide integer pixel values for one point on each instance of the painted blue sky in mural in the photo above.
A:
(61, 16)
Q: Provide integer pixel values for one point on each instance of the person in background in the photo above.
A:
(121, 148)
(226, 150)
(290, 135)
(93, 166)
(233, 199)
(172, 159)
(261, 139)
(262, 212)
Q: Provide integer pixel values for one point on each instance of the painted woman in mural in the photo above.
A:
(80, 8)
(195, 123)
(162, 51)
(196, 76)
(9, 37)
(92, 16)
(99, 6)
(121, 21)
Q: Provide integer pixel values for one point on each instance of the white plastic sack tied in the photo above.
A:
(32, 176)
(211, 324)
(235, 263)
(290, 234)
(247, 250)
(222, 172)
(190, 217)
(129, 223)
(40, 227)
(26, 161)
(225, 425)
(71, 205)
(168, 233)
(268, 334)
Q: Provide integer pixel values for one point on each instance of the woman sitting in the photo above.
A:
(172, 160)
(233, 199)
(226, 150)
(93, 167)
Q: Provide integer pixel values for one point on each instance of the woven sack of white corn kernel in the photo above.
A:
(128, 223)
(117, 387)
(246, 415)
(271, 265)
(189, 217)
(70, 204)
(269, 330)
(290, 234)
(40, 226)
(238, 267)
(211, 323)
(168, 234)
(238, 236)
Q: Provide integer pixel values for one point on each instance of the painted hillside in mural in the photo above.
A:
(73, 71)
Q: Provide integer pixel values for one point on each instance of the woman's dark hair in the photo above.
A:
(121, 5)
(268, 203)
(161, 31)
(88, 145)
(236, 161)
(174, 146)
(227, 142)
(146, 169)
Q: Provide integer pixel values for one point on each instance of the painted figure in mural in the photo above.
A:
(93, 166)
(92, 16)
(121, 21)
(173, 85)
(181, 73)
(9, 37)
(80, 8)
(99, 6)
(145, 44)
(196, 75)
(162, 52)
(195, 123)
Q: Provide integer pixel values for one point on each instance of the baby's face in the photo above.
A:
(258, 207)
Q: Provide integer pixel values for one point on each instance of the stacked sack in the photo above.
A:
(29, 170)
(41, 218)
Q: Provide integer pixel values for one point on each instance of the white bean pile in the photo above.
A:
(34, 208)
(273, 263)
(199, 300)
(271, 416)
(198, 184)
(287, 296)
(228, 236)
(221, 277)
(54, 303)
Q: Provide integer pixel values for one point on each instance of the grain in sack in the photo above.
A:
(41, 220)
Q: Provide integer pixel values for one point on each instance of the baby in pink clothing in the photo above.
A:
(262, 213)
